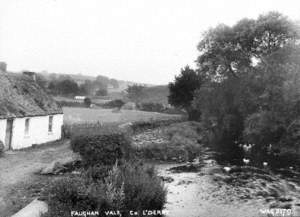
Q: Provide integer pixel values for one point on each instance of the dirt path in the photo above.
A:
(19, 166)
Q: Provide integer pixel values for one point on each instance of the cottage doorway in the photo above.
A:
(9, 132)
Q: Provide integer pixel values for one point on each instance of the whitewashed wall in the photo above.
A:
(38, 131)
(2, 129)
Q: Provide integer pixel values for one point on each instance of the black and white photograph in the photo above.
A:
(149, 108)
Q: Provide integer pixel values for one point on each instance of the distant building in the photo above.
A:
(80, 98)
(28, 115)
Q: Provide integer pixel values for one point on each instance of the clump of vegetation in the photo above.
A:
(63, 86)
(246, 86)
(101, 149)
(151, 107)
(101, 92)
(72, 193)
(183, 142)
(117, 103)
(139, 126)
(97, 172)
(131, 186)
(143, 189)
(135, 92)
(1, 148)
(87, 102)
(183, 88)
(70, 104)
(73, 130)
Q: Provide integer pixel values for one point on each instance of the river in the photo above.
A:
(206, 189)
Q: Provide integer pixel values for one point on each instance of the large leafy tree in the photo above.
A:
(229, 51)
(135, 92)
(63, 87)
(183, 88)
(252, 68)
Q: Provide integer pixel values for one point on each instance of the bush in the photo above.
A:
(75, 129)
(263, 128)
(132, 186)
(135, 186)
(142, 187)
(117, 103)
(73, 194)
(151, 107)
(69, 104)
(87, 102)
(1, 148)
(151, 124)
(101, 92)
(96, 173)
(184, 143)
(101, 149)
(291, 141)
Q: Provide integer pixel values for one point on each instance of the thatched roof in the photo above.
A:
(21, 96)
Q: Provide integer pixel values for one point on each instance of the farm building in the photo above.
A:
(79, 98)
(28, 115)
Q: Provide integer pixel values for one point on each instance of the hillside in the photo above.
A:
(151, 93)
(80, 79)
(157, 94)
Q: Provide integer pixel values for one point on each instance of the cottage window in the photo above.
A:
(27, 121)
(50, 126)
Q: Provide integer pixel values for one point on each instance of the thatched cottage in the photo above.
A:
(28, 115)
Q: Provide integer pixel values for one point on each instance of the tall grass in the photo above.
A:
(184, 143)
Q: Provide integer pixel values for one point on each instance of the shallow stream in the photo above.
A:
(207, 190)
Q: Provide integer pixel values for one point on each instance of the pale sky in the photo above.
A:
(138, 40)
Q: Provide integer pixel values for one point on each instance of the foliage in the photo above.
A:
(41, 80)
(72, 193)
(151, 107)
(102, 149)
(70, 104)
(248, 89)
(63, 87)
(96, 87)
(101, 92)
(155, 94)
(76, 129)
(182, 89)
(97, 172)
(1, 148)
(131, 186)
(102, 80)
(117, 103)
(87, 102)
(181, 142)
(87, 88)
(142, 187)
(263, 128)
(114, 83)
(291, 140)
(227, 51)
(135, 92)
(139, 126)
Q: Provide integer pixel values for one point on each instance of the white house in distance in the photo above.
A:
(79, 98)
(28, 115)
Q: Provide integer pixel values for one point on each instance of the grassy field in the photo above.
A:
(74, 115)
